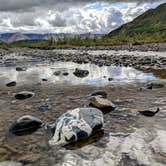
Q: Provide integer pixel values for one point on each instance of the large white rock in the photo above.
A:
(76, 125)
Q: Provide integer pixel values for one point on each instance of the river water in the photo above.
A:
(97, 76)
(128, 138)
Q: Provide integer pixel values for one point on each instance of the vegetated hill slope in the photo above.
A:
(148, 27)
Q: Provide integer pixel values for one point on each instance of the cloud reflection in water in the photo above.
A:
(97, 75)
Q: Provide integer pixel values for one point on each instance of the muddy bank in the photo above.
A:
(136, 59)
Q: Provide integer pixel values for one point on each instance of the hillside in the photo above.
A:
(148, 27)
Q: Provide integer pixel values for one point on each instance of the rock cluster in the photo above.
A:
(74, 125)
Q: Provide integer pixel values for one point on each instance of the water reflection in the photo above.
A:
(97, 75)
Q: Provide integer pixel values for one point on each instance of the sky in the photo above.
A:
(70, 16)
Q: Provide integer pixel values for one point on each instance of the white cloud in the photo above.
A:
(133, 10)
(101, 17)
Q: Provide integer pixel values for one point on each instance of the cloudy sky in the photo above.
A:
(69, 16)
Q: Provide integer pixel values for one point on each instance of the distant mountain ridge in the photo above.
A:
(16, 37)
(148, 26)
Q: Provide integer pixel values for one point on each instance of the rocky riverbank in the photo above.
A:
(136, 59)
(134, 127)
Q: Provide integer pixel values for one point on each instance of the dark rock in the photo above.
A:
(57, 73)
(24, 95)
(21, 68)
(25, 125)
(75, 125)
(10, 84)
(104, 105)
(154, 85)
(81, 73)
(44, 79)
(65, 74)
(44, 107)
(102, 94)
(110, 79)
(149, 113)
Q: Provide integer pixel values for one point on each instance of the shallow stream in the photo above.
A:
(128, 138)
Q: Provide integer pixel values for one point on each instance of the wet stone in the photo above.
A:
(24, 95)
(57, 73)
(21, 68)
(149, 113)
(44, 107)
(154, 85)
(10, 84)
(110, 79)
(102, 94)
(102, 104)
(25, 125)
(65, 74)
(81, 73)
(44, 79)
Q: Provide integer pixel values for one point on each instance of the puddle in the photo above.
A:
(36, 73)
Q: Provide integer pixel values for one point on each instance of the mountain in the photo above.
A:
(148, 27)
(18, 37)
